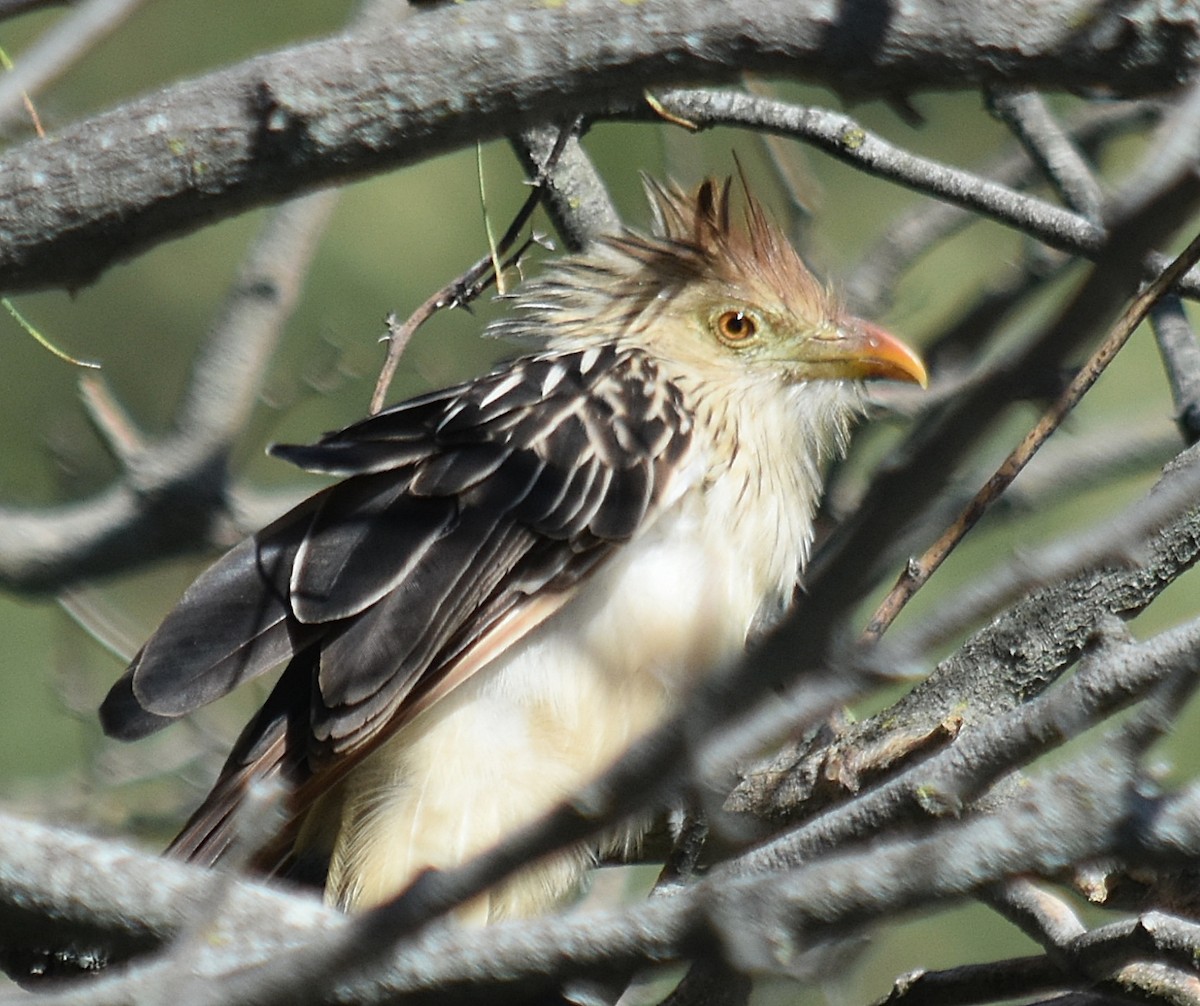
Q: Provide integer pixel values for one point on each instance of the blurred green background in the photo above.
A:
(395, 239)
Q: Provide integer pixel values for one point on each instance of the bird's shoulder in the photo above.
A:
(606, 402)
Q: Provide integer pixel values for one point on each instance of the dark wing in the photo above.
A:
(464, 518)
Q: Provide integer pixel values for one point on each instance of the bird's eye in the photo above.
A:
(736, 326)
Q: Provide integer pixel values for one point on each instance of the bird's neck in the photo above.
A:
(765, 455)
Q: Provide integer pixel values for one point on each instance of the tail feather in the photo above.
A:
(274, 745)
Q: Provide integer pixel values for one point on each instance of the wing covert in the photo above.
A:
(551, 465)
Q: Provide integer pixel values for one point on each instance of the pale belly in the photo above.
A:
(528, 729)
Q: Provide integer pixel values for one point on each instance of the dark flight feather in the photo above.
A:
(232, 624)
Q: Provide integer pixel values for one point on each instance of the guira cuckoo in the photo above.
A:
(516, 577)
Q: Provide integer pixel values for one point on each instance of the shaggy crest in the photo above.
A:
(697, 239)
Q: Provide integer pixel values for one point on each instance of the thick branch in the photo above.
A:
(1091, 808)
(342, 107)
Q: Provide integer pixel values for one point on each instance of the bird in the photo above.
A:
(514, 578)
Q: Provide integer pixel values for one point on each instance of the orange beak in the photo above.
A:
(862, 351)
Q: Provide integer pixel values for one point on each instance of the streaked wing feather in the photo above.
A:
(396, 437)
(527, 479)
(348, 459)
(122, 716)
(628, 499)
(550, 484)
(583, 498)
(456, 471)
(541, 574)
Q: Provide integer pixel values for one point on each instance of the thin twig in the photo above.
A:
(1117, 956)
(948, 781)
(56, 51)
(177, 486)
(844, 138)
(927, 224)
(575, 196)
(101, 625)
(1087, 460)
(457, 293)
(918, 571)
(976, 324)
(1153, 934)
(1036, 912)
(114, 424)
(795, 177)
(465, 288)
(1114, 542)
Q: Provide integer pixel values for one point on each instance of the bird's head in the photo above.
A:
(710, 288)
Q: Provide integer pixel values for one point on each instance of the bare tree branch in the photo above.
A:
(842, 137)
(1089, 808)
(869, 285)
(174, 490)
(985, 683)
(976, 983)
(1114, 543)
(1181, 357)
(576, 197)
(343, 107)
(1146, 662)
(1051, 149)
(918, 571)
(938, 799)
